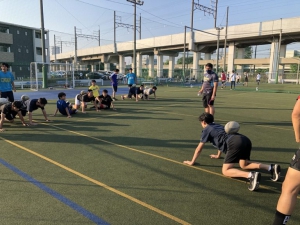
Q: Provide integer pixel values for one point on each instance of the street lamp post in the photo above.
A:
(140, 3)
(218, 49)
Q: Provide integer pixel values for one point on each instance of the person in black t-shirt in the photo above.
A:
(9, 111)
(135, 92)
(35, 104)
(106, 101)
(83, 98)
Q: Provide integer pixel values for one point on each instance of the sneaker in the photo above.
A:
(275, 172)
(254, 181)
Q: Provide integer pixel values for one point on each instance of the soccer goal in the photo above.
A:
(58, 75)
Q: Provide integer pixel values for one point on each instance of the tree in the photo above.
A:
(294, 68)
(166, 62)
(248, 52)
(188, 60)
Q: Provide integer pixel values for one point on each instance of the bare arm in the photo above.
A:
(55, 112)
(67, 111)
(96, 107)
(196, 154)
(82, 107)
(214, 90)
(217, 156)
(45, 114)
(13, 86)
(22, 118)
(296, 120)
(1, 122)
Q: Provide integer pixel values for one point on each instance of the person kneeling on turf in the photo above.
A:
(9, 111)
(148, 92)
(134, 91)
(33, 105)
(106, 101)
(82, 99)
(237, 148)
(65, 108)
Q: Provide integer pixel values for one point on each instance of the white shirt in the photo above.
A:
(232, 77)
(258, 77)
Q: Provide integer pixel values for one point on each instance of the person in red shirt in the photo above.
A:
(223, 80)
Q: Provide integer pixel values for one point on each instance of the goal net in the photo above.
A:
(58, 75)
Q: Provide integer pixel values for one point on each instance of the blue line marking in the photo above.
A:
(56, 195)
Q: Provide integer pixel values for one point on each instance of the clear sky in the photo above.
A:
(159, 17)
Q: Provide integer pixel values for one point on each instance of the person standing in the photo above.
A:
(232, 79)
(291, 185)
(130, 78)
(237, 78)
(114, 83)
(7, 85)
(258, 76)
(209, 89)
(223, 80)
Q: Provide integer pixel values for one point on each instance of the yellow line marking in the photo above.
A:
(100, 183)
(157, 156)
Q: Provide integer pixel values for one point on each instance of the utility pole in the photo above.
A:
(114, 31)
(218, 49)
(44, 68)
(99, 35)
(140, 26)
(183, 58)
(279, 48)
(54, 49)
(140, 3)
(225, 43)
(255, 56)
(75, 55)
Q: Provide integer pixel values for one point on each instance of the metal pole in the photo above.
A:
(54, 49)
(183, 59)
(61, 47)
(255, 57)
(298, 72)
(99, 35)
(75, 55)
(216, 13)
(278, 55)
(217, 66)
(140, 27)
(192, 27)
(43, 45)
(114, 29)
(134, 39)
(225, 43)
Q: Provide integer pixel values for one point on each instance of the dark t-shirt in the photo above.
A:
(135, 90)
(208, 82)
(32, 105)
(215, 134)
(107, 100)
(85, 98)
(61, 105)
(6, 109)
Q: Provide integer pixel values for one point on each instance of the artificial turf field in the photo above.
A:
(125, 166)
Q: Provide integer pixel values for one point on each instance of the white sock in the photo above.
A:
(249, 175)
(270, 167)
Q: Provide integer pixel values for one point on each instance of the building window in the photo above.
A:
(38, 35)
(4, 48)
(19, 50)
(39, 51)
(4, 30)
(20, 68)
(26, 33)
(27, 51)
(28, 68)
(18, 32)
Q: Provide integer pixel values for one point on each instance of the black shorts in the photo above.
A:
(295, 163)
(9, 95)
(206, 100)
(238, 147)
(115, 88)
(130, 85)
(223, 81)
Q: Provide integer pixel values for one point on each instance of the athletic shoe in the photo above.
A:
(114, 99)
(254, 181)
(275, 172)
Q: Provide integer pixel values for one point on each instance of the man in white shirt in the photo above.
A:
(232, 79)
(258, 78)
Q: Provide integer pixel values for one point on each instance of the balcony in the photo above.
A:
(7, 57)
(6, 38)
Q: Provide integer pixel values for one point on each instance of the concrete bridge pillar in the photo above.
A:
(160, 65)
(151, 66)
(139, 64)
(230, 57)
(121, 64)
(282, 55)
(92, 67)
(107, 66)
(196, 72)
(240, 55)
(171, 66)
(273, 59)
(207, 56)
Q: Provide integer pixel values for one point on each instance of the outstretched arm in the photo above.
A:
(196, 154)
(55, 112)
(22, 118)
(296, 120)
(45, 114)
(1, 122)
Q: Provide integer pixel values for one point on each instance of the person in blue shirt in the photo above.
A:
(7, 85)
(237, 148)
(65, 108)
(114, 83)
(130, 78)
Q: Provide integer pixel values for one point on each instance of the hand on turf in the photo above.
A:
(188, 162)
(214, 156)
(69, 116)
(25, 124)
(2, 130)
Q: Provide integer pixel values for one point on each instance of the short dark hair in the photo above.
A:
(17, 104)
(105, 91)
(43, 101)
(130, 68)
(209, 65)
(61, 94)
(117, 70)
(207, 118)
(93, 81)
(154, 87)
(90, 90)
(5, 64)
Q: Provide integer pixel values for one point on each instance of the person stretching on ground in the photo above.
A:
(106, 101)
(33, 105)
(134, 91)
(148, 92)
(82, 99)
(237, 148)
(291, 185)
(65, 108)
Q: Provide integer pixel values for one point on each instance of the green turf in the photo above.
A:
(138, 150)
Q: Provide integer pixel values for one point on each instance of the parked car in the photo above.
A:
(96, 75)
